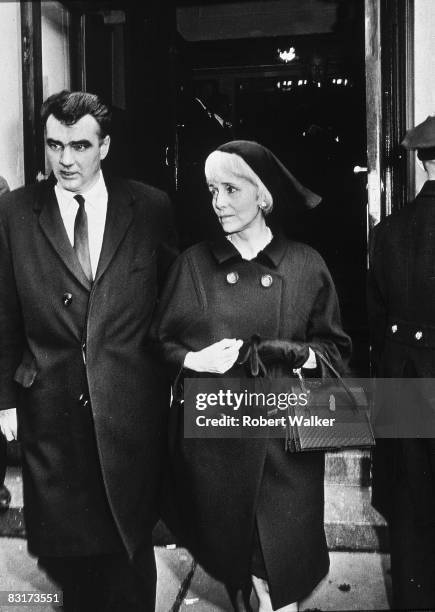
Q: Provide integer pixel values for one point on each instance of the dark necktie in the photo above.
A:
(81, 240)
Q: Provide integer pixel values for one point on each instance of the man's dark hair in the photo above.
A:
(70, 106)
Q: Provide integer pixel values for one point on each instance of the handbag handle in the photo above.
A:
(337, 375)
(261, 368)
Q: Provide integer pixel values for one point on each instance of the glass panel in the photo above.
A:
(11, 116)
(55, 23)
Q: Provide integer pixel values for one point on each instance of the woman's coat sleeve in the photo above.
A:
(175, 313)
(325, 332)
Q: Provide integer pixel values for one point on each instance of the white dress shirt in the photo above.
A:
(96, 210)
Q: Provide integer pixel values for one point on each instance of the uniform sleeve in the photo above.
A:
(11, 325)
(376, 300)
(175, 315)
(325, 332)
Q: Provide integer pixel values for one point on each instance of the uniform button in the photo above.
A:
(84, 400)
(266, 280)
(67, 299)
(232, 278)
(418, 335)
(394, 328)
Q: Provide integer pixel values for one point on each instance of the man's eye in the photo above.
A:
(54, 146)
(79, 147)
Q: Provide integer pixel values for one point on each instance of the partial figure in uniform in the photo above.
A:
(250, 513)
(402, 318)
(80, 258)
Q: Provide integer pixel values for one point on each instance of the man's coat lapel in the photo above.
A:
(51, 223)
(118, 220)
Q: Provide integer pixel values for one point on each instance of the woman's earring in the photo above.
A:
(263, 205)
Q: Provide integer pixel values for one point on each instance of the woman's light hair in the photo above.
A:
(219, 161)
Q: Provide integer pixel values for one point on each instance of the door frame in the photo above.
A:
(31, 45)
(389, 35)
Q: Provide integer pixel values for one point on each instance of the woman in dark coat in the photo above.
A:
(249, 511)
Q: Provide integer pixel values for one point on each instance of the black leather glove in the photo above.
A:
(259, 353)
(248, 356)
(294, 354)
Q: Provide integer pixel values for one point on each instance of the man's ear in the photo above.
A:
(104, 146)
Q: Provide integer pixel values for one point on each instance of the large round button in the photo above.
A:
(394, 328)
(266, 280)
(232, 278)
(418, 335)
(67, 299)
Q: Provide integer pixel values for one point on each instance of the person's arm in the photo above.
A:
(172, 318)
(11, 326)
(11, 338)
(173, 329)
(325, 333)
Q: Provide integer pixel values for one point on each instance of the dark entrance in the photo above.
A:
(309, 110)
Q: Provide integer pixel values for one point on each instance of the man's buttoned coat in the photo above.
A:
(74, 360)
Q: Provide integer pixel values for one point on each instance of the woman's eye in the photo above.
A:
(230, 189)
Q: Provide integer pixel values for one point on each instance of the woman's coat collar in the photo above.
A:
(223, 250)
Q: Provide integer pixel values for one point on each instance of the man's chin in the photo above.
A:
(69, 184)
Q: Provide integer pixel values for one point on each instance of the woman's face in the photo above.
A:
(235, 201)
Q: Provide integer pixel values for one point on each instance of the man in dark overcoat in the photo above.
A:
(402, 314)
(80, 258)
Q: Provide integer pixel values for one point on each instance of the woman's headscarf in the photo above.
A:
(286, 190)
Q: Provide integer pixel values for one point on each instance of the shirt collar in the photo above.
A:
(93, 196)
(223, 251)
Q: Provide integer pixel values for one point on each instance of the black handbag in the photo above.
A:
(334, 417)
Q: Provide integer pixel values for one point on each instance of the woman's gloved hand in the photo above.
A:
(295, 354)
(260, 352)
(250, 359)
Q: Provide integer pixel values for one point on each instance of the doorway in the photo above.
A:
(302, 95)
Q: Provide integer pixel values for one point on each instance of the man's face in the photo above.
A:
(75, 152)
